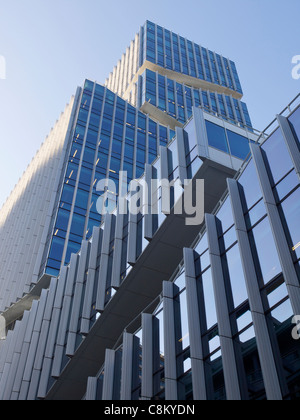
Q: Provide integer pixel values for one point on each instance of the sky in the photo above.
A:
(50, 46)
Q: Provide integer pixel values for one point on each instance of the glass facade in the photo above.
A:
(173, 52)
(177, 100)
(110, 135)
(273, 293)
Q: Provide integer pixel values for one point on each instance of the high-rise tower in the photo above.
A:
(148, 305)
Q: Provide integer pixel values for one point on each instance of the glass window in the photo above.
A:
(277, 156)
(256, 213)
(265, 252)
(239, 145)
(295, 123)
(62, 220)
(236, 275)
(225, 215)
(251, 185)
(209, 297)
(216, 136)
(291, 212)
(290, 182)
(57, 248)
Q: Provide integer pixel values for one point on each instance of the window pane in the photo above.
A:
(295, 123)
(209, 297)
(291, 210)
(236, 275)
(265, 252)
(251, 185)
(278, 156)
(216, 136)
(239, 145)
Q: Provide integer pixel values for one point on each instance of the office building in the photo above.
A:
(148, 305)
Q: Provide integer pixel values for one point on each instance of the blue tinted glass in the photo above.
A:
(251, 185)
(57, 248)
(216, 136)
(209, 298)
(67, 194)
(73, 248)
(236, 275)
(265, 251)
(291, 210)
(77, 224)
(277, 156)
(295, 123)
(62, 219)
(239, 145)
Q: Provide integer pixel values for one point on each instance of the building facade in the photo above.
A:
(123, 305)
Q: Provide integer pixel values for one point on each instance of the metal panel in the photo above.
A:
(103, 269)
(172, 342)
(234, 374)
(262, 332)
(181, 153)
(291, 142)
(196, 321)
(281, 243)
(150, 354)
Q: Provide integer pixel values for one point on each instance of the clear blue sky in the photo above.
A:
(51, 46)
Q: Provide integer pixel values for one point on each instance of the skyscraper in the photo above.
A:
(171, 111)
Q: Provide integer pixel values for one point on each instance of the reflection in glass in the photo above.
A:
(251, 185)
(277, 156)
(291, 211)
(236, 275)
(266, 252)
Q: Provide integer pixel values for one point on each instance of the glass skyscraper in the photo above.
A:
(146, 306)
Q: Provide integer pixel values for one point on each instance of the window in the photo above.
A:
(239, 145)
(236, 275)
(265, 252)
(216, 137)
(277, 156)
(250, 183)
(295, 123)
(291, 211)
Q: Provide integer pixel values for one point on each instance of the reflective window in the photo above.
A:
(290, 182)
(209, 298)
(256, 213)
(291, 211)
(277, 156)
(264, 251)
(251, 185)
(295, 123)
(236, 275)
(225, 215)
(216, 136)
(239, 145)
